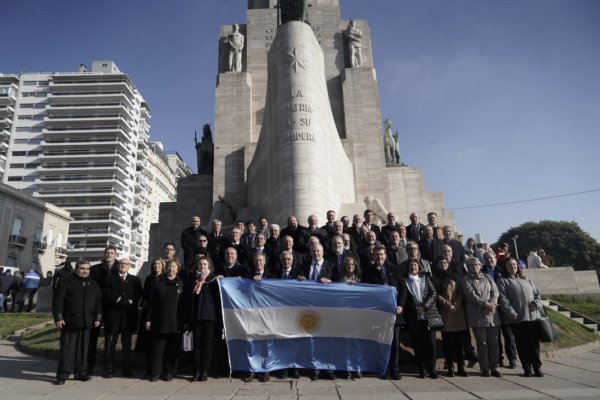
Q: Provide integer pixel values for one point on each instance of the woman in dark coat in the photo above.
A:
(451, 306)
(202, 314)
(520, 301)
(419, 308)
(144, 339)
(162, 319)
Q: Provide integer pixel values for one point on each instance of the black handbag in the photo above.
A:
(435, 323)
(544, 327)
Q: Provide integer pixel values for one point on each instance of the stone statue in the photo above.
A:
(353, 36)
(378, 209)
(236, 45)
(224, 211)
(388, 143)
(205, 151)
(397, 149)
(293, 10)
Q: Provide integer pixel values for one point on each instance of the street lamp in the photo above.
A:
(86, 229)
(515, 243)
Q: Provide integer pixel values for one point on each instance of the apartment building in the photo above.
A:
(80, 140)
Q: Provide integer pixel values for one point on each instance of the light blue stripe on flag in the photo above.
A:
(277, 324)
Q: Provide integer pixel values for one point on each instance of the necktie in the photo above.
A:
(382, 274)
(286, 274)
(315, 273)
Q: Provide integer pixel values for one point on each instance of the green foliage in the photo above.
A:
(11, 322)
(587, 306)
(565, 241)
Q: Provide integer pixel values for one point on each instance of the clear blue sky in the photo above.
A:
(496, 101)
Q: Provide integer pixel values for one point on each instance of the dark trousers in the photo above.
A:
(528, 344)
(165, 353)
(29, 294)
(453, 349)
(510, 347)
(73, 352)
(203, 331)
(91, 355)
(394, 364)
(468, 349)
(423, 341)
(110, 344)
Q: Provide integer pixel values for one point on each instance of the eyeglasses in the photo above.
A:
(203, 240)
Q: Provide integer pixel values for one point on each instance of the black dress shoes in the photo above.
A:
(265, 377)
(329, 374)
(83, 377)
(250, 377)
(314, 376)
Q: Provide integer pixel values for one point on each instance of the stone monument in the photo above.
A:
(205, 151)
(298, 126)
(299, 153)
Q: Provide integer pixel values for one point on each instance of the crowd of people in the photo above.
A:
(19, 286)
(441, 285)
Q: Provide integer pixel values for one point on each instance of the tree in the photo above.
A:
(565, 241)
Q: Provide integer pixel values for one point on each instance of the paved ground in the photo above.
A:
(574, 377)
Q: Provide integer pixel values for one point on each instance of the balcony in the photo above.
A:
(40, 247)
(60, 251)
(88, 131)
(8, 95)
(16, 240)
(5, 122)
(7, 110)
(117, 96)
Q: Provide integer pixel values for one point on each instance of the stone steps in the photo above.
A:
(584, 321)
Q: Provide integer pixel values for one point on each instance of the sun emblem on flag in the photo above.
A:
(308, 321)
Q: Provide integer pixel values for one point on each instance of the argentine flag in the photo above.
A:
(277, 324)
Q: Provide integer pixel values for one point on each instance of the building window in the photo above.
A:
(17, 227)
(41, 94)
(30, 83)
(19, 153)
(17, 165)
(15, 178)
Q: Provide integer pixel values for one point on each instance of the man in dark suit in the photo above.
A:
(458, 251)
(235, 242)
(249, 237)
(392, 226)
(337, 256)
(99, 273)
(414, 231)
(189, 242)
(412, 249)
(294, 230)
(314, 230)
(328, 227)
(354, 230)
(317, 269)
(76, 308)
(369, 222)
(122, 292)
(396, 251)
(428, 245)
(383, 272)
(288, 270)
(216, 239)
(432, 222)
(260, 248)
(287, 244)
(231, 267)
(273, 245)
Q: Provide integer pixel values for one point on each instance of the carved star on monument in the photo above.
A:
(295, 61)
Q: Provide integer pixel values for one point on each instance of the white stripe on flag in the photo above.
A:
(297, 322)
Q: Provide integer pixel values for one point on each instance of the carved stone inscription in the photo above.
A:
(271, 31)
(298, 113)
